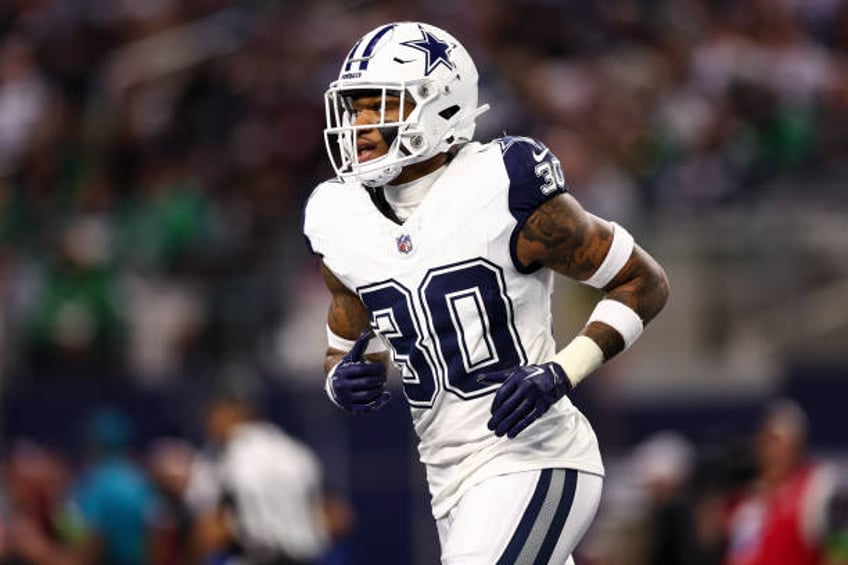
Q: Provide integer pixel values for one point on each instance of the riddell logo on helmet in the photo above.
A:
(347, 76)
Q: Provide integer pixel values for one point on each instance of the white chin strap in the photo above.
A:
(380, 176)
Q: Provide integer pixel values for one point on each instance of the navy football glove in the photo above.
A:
(355, 385)
(525, 394)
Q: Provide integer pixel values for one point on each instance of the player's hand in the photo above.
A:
(355, 385)
(525, 394)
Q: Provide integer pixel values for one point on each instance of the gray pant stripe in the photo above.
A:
(543, 520)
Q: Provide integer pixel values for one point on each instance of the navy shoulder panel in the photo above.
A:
(535, 174)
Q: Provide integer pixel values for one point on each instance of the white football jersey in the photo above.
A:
(447, 295)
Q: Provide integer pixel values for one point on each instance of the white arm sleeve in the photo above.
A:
(619, 252)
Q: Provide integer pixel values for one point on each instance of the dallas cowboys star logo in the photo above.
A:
(435, 49)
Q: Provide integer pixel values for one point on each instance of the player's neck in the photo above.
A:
(415, 171)
(405, 198)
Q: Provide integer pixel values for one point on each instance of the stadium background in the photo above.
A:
(155, 155)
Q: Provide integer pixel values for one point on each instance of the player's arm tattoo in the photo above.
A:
(347, 317)
(562, 236)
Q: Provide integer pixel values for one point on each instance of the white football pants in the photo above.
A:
(532, 517)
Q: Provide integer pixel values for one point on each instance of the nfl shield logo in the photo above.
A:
(404, 244)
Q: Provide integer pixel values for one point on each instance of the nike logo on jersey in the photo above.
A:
(541, 155)
(401, 61)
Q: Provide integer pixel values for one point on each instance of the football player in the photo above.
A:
(439, 253)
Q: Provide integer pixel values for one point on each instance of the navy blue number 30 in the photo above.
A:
(464, 311)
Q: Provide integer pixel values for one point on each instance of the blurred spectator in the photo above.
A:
(257, 493)
(664, 465)
(783, 519)
(75, 327)
(24, 97)
(166, 222)
(35, 529)
(169, 462)
(114, 497)
(837, 543)
(656, 513)
(112, 501)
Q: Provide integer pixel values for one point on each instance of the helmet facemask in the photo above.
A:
(406, 140)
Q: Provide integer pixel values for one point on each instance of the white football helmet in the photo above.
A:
(416, 62)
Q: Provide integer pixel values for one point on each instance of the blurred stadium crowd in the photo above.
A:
(155, 154)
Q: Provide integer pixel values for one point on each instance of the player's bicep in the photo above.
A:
(347, 316)
(562, 236)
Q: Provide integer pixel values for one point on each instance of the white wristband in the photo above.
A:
(336, 341)
(620, 317)
(619, 252)
(579, 358)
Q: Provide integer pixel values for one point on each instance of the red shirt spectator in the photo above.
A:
(783, 520)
